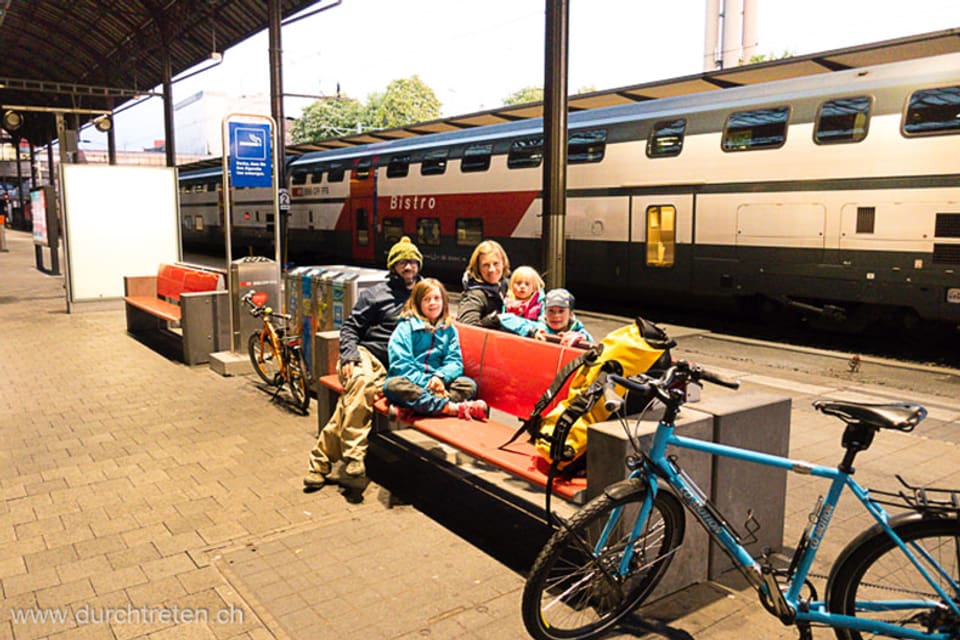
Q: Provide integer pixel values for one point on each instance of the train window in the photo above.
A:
(199, 222)
(469, 232)
(933, 111)
(298, 177)
(399, 167)
(188, 222)
(428, 232)
(363, 169)
(392, 230)
(434, 163)
(661, 235)
(842, 120)
(666, 138)
(947, 225)
(363, 229)
(335, 173)
(866, 219)
(760, 129)
(476, 157)
(316, 176)
(586, 146)
(525, 154)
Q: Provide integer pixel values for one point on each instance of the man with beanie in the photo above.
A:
(362, 366)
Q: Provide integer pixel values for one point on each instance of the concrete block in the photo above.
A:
(607, 447)
(228, 363)
(760, 422)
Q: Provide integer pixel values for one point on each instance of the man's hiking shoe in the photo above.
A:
(473, 410)
(355, 468)
(314, 480)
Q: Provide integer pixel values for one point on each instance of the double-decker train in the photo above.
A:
(837, 195)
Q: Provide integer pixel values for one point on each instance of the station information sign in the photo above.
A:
(251, 159)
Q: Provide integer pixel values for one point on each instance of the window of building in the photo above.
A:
(188, 222)
(392, 230)
(199, 223)
(363, 229)
(866, 219)
(363, 169)
(335, 173)
(476, 157)
(398, 167)
(428, 232)
(586, 146)
(759, 129)
(666, 138)
(434, 163)
(469, 232)
(298, 177)
(525, 153)
(661, 235)
(842, 120)
(933, 111)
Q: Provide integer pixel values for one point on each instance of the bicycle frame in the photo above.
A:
(788, 604)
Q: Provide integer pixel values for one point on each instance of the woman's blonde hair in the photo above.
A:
(526, 273)
(420, 290)
(482, 249)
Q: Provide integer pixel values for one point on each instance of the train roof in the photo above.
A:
(779, 91)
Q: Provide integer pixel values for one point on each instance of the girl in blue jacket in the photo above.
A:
(426, 365)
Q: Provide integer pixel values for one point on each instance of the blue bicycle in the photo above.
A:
(900, 578)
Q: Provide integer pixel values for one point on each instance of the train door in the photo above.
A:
(362, 212)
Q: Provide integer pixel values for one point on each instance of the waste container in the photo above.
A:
(251, 273)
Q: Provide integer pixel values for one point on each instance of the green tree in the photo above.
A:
(404, 102)
(523, 96)
(768, 57)
(329, 118)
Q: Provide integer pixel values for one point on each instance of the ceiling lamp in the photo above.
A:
(12, 120)
(103, 123)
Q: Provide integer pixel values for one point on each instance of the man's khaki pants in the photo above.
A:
(345, 435)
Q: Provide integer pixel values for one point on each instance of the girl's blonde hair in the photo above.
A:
(412, 308)
(526, 273)
(482, 249)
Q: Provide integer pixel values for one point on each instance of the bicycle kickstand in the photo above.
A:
(804, 629)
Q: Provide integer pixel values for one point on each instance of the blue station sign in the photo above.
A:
(251, 159)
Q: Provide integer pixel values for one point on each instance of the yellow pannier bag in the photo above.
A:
(627, 351)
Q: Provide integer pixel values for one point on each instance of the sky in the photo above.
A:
(473, 55)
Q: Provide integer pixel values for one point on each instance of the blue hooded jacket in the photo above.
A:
(419, 351)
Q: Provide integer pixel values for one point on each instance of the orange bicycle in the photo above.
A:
(276, 356)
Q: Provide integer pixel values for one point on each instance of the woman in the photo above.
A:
(484, 286)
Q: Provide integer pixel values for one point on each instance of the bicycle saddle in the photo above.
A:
(900, 416)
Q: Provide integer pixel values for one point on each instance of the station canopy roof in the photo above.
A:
(98, 54)
(918, 46)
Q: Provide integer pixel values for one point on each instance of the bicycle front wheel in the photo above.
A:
(877, 581)
(576, 588)
(264, 357)
(297, 378)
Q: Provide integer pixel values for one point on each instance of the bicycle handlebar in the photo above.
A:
(680, 373)
(261, 310)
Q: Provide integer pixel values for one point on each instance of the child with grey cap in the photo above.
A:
(559, 320)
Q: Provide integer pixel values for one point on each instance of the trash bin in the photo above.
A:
(251, 273)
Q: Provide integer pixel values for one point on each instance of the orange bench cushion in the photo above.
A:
(172, 280)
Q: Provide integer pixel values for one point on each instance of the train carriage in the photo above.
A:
(836, 194)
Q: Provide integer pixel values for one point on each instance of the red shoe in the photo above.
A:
(401, 414)
(473, 410)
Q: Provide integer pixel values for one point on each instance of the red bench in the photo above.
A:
(511, 373)
(190, 299)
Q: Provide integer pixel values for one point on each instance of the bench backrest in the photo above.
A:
(172, 280)
(511, 372)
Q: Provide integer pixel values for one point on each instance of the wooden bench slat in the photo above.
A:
(154, 306)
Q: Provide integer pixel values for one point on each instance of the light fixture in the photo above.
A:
(12, 120)
(103, 123)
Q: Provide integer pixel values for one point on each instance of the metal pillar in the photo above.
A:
(276, 110)
(555, 142)
(168, 131)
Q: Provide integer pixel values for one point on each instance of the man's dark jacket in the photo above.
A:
(373, 319)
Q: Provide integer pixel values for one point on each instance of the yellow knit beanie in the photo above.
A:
(404, 249)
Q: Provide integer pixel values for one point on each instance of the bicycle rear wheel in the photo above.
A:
(264, 357)
(574, 589)
(297, 378)
(877, 581)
